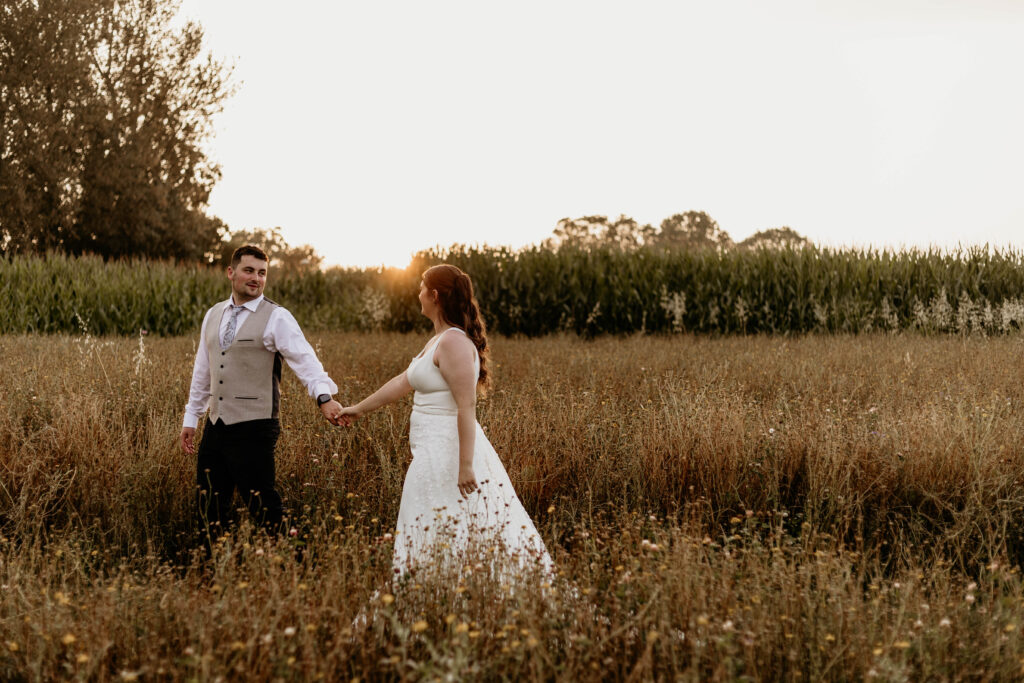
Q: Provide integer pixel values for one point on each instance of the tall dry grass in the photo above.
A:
(813, 508)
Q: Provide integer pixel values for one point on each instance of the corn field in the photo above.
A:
(536, 291)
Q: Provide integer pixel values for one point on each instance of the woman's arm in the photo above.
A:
(455, 358)
(394, 389)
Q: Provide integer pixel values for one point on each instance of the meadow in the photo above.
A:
(823, 507)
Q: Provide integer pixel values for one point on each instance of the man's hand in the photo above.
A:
(332, 412)
(187, 436)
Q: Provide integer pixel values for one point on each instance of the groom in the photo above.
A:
(236, 375)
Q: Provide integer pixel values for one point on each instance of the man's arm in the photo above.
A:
(198, 393)
(284, 336)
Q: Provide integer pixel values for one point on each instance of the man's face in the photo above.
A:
(248, 279)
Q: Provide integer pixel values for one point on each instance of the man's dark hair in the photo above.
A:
(247, 250)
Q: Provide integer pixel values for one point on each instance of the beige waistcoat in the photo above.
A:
(245, 378)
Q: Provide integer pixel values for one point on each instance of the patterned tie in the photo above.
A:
(229, 333)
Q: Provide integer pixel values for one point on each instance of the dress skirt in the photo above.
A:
(438, 528)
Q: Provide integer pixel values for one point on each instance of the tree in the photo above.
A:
(118, 104)
(284, 258)
(596, 231)
(45, 102)
(577, 232)
(625, 233)
(775, 238)
(691, 230)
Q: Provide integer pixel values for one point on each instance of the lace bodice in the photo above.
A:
(432, 394)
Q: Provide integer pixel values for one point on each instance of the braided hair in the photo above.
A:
(460, 309)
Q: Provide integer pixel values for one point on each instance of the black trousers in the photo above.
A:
(238, 456)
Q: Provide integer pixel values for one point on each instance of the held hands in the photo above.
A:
(467, 481)
(350, 415)
(338, 415)
(332, 412)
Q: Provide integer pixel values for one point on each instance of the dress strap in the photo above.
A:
(437, 342)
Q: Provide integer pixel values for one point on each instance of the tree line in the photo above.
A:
(688, 230)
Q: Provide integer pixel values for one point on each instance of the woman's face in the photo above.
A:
(428, 306)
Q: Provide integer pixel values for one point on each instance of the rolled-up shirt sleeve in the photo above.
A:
(199, 391)
(283, 335)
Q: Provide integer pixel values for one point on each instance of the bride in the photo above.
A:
(457, 500)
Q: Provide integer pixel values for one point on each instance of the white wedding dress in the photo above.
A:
(437, 527)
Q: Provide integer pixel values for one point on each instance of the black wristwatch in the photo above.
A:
(322, 399)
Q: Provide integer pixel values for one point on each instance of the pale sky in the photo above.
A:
(374, 129)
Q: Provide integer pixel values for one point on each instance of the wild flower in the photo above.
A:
(376, 309)
(674, 305)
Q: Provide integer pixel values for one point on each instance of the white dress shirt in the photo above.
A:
(282, 335)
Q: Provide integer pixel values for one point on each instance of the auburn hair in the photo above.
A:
(459, 308)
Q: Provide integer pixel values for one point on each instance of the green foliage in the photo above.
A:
(284, 258)
(105, 112)
(538, 291)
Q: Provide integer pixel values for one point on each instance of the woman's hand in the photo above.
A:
(349, 415)
(467, 481)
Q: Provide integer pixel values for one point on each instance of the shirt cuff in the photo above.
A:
(190, 421)
(324, 388)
